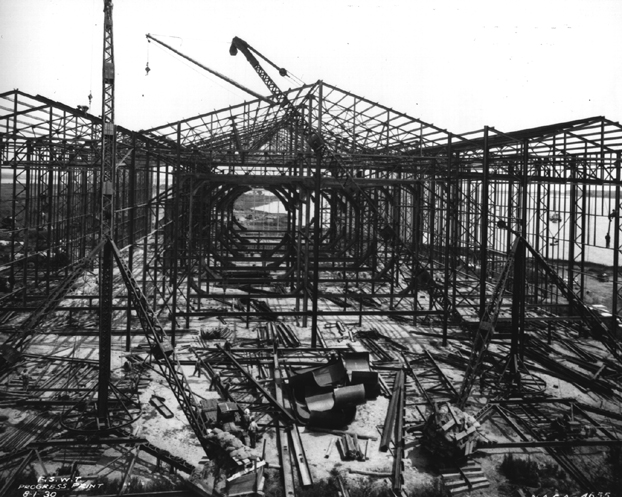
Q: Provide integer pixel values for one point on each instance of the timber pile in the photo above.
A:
(450, 433)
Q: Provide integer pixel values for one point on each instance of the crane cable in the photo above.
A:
(93, 23)
(147, 69)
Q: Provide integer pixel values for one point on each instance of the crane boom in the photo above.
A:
(211, 71)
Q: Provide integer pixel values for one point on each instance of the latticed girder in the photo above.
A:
(164, 354)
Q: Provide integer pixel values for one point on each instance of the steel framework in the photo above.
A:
(384, 214)
(409, 229)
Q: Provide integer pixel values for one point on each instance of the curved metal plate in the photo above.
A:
(329, 375)
(352, 395)
(322, 402)
(356, 361)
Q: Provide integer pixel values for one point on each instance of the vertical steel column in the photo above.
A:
(154, 259)
(131, 239)
(149, 214)
(538, 229)
(616, 241)
(176, 234)
(108, 168)
(305, 280)
(189, 253)
(484, 228)
(573, 222)
(518, 289)
(318, 224)
(449, 204)
(28, 221)
(49, 219)
(69, 217)
(417, 235)
(518, 310)
(431, 218)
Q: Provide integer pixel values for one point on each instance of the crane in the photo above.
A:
(108, 174)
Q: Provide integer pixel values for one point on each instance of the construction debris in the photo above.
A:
(450, 434)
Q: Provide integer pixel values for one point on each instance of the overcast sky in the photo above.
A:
(458, 64)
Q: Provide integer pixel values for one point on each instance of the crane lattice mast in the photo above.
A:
(108, 165)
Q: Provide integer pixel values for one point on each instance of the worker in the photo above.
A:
(246, 418)
(252, 432)
(560, 427)
(607, 240)
(215, 381)
(25, 379)
(197, 368)
(227, 346)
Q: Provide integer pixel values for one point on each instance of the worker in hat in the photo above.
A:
(215, 381)
(246, 418)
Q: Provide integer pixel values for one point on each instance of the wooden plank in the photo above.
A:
(246, 470)
(377, 474)
(161, 407)
(448, 425)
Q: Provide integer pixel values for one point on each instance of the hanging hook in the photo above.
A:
(147, 69)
